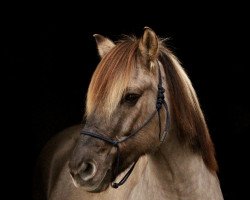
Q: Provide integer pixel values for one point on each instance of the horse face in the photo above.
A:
(92, 161)
(115, 108)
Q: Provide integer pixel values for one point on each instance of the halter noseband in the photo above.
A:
(160, 101)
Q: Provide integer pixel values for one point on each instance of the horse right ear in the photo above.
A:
(104, 45)
(149, 44)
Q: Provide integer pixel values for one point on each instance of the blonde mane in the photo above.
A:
(113, 75)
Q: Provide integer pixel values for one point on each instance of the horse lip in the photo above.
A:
(100, 187)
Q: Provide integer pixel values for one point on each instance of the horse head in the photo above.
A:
(122, 97)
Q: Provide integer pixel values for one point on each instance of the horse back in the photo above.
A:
(52, 161)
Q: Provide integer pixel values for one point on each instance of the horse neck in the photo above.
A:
(181, 173)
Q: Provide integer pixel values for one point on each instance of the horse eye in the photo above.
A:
(132, 98)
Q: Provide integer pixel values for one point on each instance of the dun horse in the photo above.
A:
(145, 136)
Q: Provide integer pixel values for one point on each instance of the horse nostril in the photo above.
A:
(88, 171)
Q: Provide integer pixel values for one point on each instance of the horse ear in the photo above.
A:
(104, 45)
(148, 45)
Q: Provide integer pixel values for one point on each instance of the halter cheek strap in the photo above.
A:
(160, 101)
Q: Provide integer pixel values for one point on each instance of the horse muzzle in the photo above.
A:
(90, 164)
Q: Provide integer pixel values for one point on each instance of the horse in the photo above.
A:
(144, 136)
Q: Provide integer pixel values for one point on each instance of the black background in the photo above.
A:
(50, 55)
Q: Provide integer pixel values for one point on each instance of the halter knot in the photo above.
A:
(115, 185)
(115, 143)
(160, 97)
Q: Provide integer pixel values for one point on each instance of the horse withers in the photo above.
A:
(145, 136)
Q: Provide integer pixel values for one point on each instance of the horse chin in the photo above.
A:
(100, 186)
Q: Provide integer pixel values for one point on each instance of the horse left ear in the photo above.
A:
(149, 45)
(104, 45)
